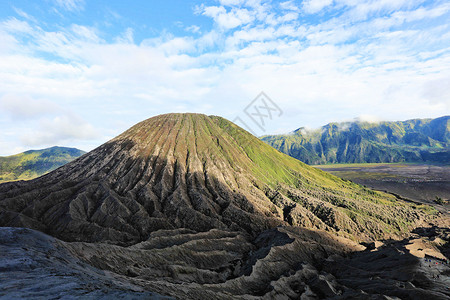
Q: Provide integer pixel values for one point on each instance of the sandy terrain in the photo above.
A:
(418, 182)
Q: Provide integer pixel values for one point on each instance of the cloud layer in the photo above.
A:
(320, 61)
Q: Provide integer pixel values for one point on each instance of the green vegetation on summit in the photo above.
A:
(34, 163)
(418, 140)
(197, 172)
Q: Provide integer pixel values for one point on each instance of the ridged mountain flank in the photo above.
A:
(197, 172)
(417, 140)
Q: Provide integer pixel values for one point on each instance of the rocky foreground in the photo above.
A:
(282, 263)
(34, 265)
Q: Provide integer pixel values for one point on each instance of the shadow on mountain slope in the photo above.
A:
(122, 200)
(397, 268)
(36, 266)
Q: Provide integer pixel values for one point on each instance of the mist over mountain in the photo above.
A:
(34, 163)
(417, 140)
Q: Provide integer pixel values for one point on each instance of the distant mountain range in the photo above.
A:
(417, 140)
(34, 163)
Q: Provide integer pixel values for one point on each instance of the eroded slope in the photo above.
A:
(197, 172)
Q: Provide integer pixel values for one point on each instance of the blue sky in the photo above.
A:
(78, 72)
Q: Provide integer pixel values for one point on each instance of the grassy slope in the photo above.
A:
(291, 189)
(34, 163)
(254, 177)
(359, 142)
(364, 207)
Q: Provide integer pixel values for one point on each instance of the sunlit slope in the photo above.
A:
(198, 172)
(416, 140)
(34, 163)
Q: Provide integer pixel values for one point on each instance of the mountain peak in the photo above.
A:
(198, 172)
(170, 126)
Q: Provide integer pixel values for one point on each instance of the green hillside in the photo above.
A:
(417, 140)
(34, 163)
(201, 173)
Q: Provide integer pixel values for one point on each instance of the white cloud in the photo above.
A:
(193, 29)
(289, 5)
(212, 11)
(41, 123)
(231, 2)
(85, 33)
(340, 68)
(126, 37)
(24, 107)
(15, 26)
(314, 6)
(437, 89)
(228, 19)
(8, 43)
(24, 15)
(58, 130)
(363, 10)
(368, 119)
(421, 13)
(70, 5)
(291, 16)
